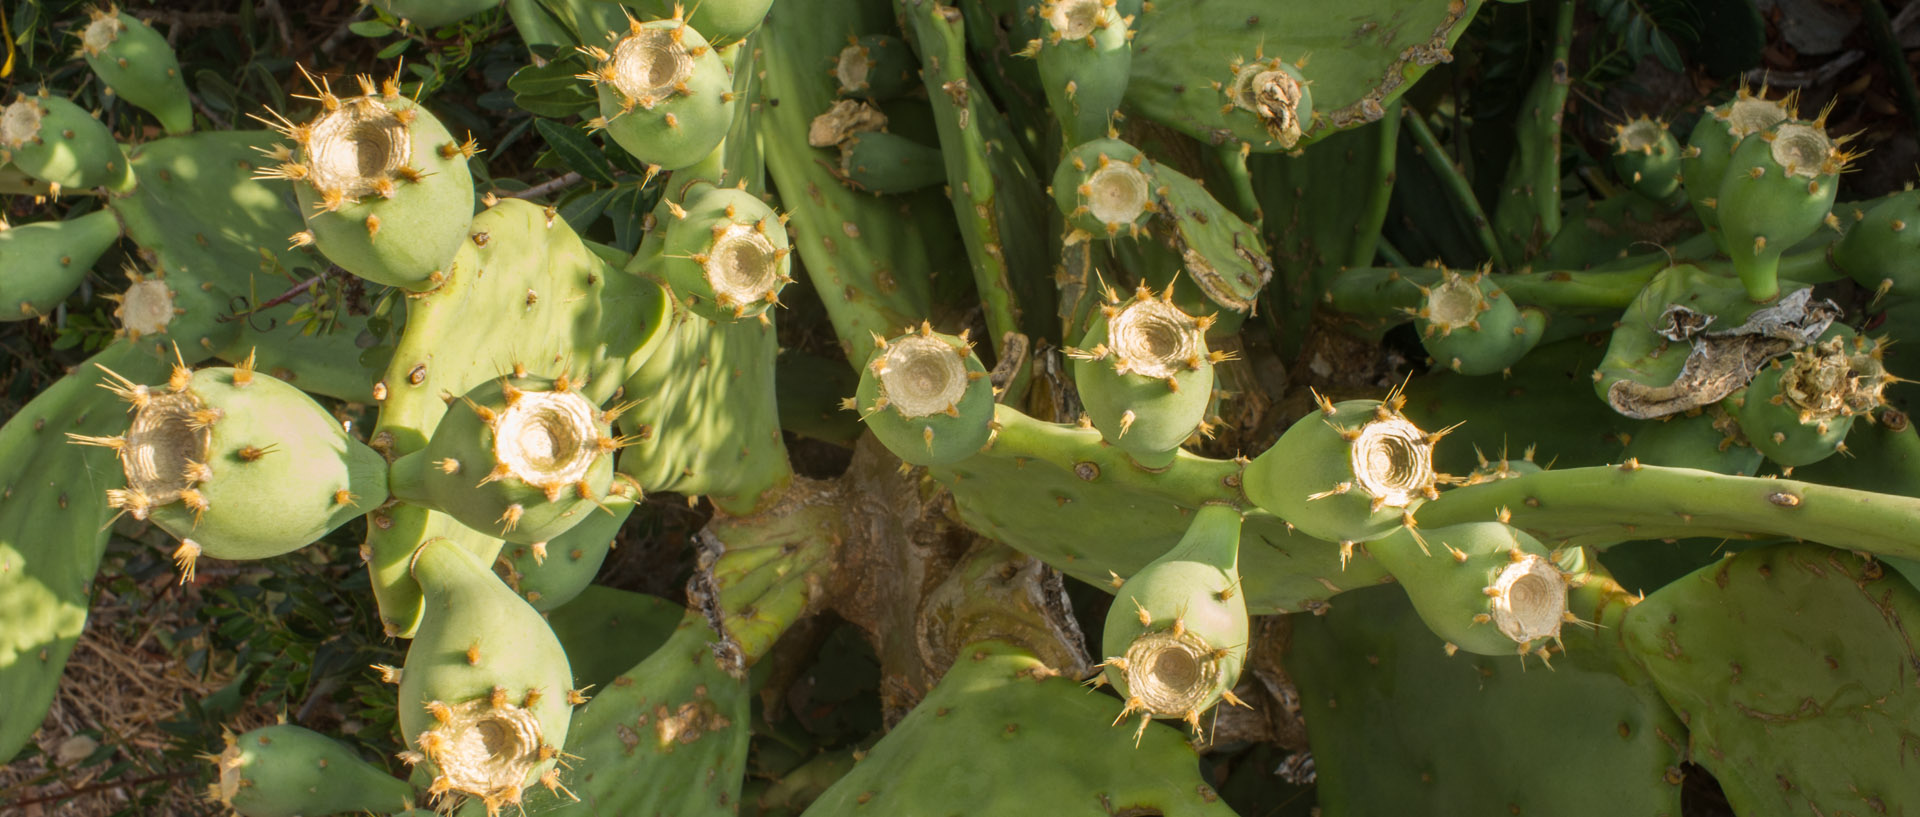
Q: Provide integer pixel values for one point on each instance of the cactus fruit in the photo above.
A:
(876, 67)
(1881, 248)
(722, 21)
(1647, 158)
(665, 96)
(550, 574)
(486, 693)
(434, 13)
(1176, 635)
(1145, 374)
(1350, 472)
(42, 263)
(1800, 413)
(1778, 189)
(882, 162)
(136, 63)
(1706, 439)
(385, 189)
(726, 254)
(1472, 327)
(237, 464)
(1703, 164)
(926, 396)
(524, 458)
(1484, 587)
(1103, 187)
(292, 771)
(56, 141)
(1084, 58)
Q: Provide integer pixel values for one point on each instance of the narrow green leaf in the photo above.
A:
(370, 28)
(576, 150)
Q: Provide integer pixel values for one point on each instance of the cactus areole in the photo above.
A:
(1531, 601)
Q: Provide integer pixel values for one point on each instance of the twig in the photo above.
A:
(118, 784)
(551, 185)
(279, 15)
(339, 35)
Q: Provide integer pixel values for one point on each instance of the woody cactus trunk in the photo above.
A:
(1115, 286)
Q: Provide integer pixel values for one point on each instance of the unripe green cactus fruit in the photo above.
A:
(882, 162)
(1647, 158)
(1882, 248)
(1485, 587)
(1176, 635)
(1703, 165)
(138, 65)
(665, 96)
(56, 141)
(292, 771)
(726, 254)
(42, 263)
(1779, 188)
(1145, 375)
(434, 13)
(1472, 327)
(486, 694)
(385, 189)
(523, 458)
(876, 67)
(1084, 59)
(926, 396)
(1104, 187)
(237, 464)
(1350, 472)
(550, 574)
(1800, 413)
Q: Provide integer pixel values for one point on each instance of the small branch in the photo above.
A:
(118, 784)
(549, 186)
(339, 35)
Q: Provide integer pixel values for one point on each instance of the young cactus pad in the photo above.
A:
(1145, 375)
(486, 695)
(1647, 158)
(927, 397)
(1350, 472)
(42, 263)
(665, 96)
(290, 771)
(1176, 635)
(1703, 165)
(56, 141)
(522, 458)
(1485, 587)
(1472, 327)
(136, 62)
(726, 254)
(237, 464)
(385, 188)
(1778, 189)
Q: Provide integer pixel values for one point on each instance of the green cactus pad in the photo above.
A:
(1083, 57)
(292, 771)
(1224, 255)
(385, 188)
(551, 574)
(927, 397)
(1792, 667)
(1471, 326)
(1799, 413)
(722, 21)
(1705, 440)
(1349, 472)
(726, 254)
(138, 64)
(1105, 187)
(665, 96)
(1145, 375)
(1882, 246)
(42, 263)
(434, 13)
(1778, 189)
(1703, 164)
(523, 458)
(606, 631)
(1387, 711)
(1647, 157)
(1043, 741)
(238, 464)
(486, 693)
(1484, 587)
(881, 162)
(1176, 635)
(58, 142)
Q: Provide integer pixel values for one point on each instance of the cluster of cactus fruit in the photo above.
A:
(1231, 165)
